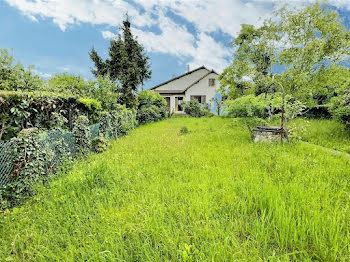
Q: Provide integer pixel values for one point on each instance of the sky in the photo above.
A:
(56, 35)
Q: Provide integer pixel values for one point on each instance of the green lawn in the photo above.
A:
(208, 195)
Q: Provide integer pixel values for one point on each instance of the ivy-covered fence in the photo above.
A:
(33, 155)
(6, 161)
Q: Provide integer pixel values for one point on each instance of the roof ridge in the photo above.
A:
(180, 76)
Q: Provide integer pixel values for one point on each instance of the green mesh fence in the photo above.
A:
(60, 144)
(6, 160)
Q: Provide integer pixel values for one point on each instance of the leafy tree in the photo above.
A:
(127, 65)
(298, 49)
(15, 76)
(105, 91)
(68, 84)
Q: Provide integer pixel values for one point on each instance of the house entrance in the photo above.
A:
(178, 102)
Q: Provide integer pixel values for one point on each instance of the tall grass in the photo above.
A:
(327, 133)
(206, 195)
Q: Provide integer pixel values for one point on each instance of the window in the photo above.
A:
(200, 99)
(212, 82)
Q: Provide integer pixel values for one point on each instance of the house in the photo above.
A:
(200, 84)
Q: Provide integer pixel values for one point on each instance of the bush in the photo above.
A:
(195, 109)
(152, 107)
(192, 108)
(247, 106)
(81, 134)
(21, 110)
(99, 144)
(340, 108)
(30, 166)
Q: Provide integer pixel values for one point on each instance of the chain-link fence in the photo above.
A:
(61, 145)
(6, 161)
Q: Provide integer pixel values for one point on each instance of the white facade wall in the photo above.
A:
(203, 89)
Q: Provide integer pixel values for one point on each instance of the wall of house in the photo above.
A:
(184, 82)
(202, 88)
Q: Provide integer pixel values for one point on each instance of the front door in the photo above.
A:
(178, 102)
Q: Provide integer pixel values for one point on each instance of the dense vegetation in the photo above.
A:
(301, 52)
(208, 194)
(44, 124)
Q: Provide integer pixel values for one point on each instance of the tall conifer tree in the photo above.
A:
(127, 64)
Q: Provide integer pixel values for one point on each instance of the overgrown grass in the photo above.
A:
(212, 194)
(327, 133)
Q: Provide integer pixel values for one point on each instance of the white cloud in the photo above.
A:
(108, 35)
(210, 53)
(176, 40)
(67, 12)
(205, 16)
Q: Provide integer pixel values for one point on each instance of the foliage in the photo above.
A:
(151, 107)
(71, 85)
(105, 91)
(99, 144)
(127, 65)
(247, 106)
(105, 123)
(340, 107)
(309, 46)
(16, 77)
(20, 110)
(30, 167)
(195, 109)
(154, 195)
(192, 108)
(117, 122)
(81, 134)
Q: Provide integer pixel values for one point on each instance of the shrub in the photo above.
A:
(195, 109)
(99, 144)
(192, 108)
(152, 107)
(30, 166)
(247, 106)
(21, 110)
(81, 134)
(117, 122)
(340, 107)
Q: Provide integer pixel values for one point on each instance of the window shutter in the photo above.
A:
(203, 100)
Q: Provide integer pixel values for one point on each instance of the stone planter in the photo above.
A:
(269, 134)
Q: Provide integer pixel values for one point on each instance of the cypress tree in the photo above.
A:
(128, 65)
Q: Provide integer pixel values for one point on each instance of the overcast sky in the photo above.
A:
(56, 35)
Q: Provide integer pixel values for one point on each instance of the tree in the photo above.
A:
(16, 77)
(298, 49)
(127, 65)
(218, 104)
(68, 84)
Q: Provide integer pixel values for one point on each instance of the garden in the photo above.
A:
(98, 170)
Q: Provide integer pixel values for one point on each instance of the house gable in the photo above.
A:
(180, 83)
(202, 88)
